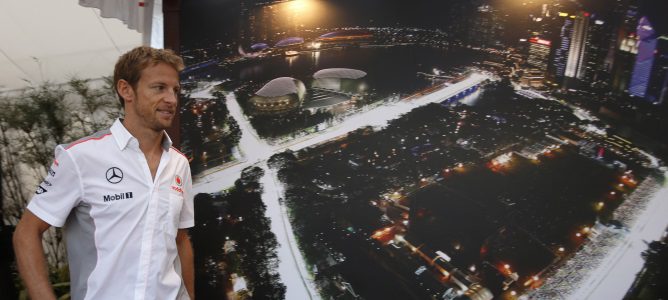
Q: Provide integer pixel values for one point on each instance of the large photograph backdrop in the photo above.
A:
(425, 149)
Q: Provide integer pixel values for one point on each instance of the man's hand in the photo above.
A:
(30, 257)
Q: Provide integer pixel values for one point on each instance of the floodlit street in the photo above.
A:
(256, 151)
(617, 272)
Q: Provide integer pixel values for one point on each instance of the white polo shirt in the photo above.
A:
(120, 225)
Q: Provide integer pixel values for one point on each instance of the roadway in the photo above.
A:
(256, 152)
(615, 275)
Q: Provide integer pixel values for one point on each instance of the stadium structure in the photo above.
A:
(278, 95)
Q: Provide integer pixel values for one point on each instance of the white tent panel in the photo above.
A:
(54, 40)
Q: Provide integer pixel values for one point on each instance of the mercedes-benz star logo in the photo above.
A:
(114, 175)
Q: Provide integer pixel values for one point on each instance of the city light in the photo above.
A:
(502, 159)
(540, 41)
(495, 146)
(299, 5)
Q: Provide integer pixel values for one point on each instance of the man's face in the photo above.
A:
(156, 96)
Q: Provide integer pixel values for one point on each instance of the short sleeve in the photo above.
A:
(187, 216)
(60, 191)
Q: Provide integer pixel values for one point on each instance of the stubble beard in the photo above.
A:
(152, 121)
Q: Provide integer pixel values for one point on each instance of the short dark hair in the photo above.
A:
(130, 65)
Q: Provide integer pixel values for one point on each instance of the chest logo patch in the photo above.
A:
(114, 175)
(178, 183)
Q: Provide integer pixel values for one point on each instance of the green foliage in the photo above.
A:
(207, 127)
(236, 216)
(32, 123)
(35, 121)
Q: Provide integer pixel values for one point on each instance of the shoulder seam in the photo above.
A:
(86, 139)
(179, 152)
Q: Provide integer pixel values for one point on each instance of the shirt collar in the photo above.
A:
(123, 136)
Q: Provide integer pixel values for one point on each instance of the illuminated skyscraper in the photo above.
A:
(597, 46)
(657, 89)
(539, 51)
(575, 67)
(561, 54)
(486, 27)
(626, 50)
(650, 73)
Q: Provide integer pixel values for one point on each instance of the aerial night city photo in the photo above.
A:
(461, 149)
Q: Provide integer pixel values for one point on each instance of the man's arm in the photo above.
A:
(185, 250)
(30, 257)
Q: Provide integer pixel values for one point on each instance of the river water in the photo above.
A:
(391, 69)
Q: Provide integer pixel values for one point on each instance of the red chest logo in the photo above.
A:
(178, 180)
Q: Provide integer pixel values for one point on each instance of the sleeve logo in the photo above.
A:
(40, 190)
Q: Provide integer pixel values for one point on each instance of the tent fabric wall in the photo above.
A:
(55, 40)
(144, 16)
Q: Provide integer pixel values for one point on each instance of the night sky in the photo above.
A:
(218, 19)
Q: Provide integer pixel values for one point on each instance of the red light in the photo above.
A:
(586, 14)
(536, 40)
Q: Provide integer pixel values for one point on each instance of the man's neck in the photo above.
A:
(150, 141)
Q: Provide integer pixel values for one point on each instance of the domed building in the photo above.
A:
(339, 79)
(336, 89)
(259, 46)
(279, 95)
(291, 41)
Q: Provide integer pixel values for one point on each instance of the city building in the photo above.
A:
(649, 79)
(291, 41)
(532, 78)
(338, 79)
(561, 53)
(486, 28)
(279, 95)
(625, 51)
(335, 87)
(539, 52)
(345, 36)
(598, 41)
(657, 90)
(575, 65)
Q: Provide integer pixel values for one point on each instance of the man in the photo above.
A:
(123, 196)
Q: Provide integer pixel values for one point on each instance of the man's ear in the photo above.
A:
(125, 90)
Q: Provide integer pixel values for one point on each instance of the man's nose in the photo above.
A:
(172, 97)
